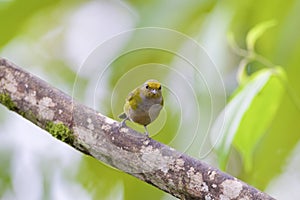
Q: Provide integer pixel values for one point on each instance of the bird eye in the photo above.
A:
(159, 88)
(147, 86)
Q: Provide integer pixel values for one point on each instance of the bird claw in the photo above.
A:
(123, 122)
(146, 131)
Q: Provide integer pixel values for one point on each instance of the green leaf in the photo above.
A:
(242, 75)
(260, 113)
(257, 31)
(248, 115)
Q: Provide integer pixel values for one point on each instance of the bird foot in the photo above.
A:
(146, 131)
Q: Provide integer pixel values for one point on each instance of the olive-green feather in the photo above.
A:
(134, 98)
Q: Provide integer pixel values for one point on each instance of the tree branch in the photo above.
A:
(121, 147)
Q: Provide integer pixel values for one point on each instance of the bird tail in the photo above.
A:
(123, 116)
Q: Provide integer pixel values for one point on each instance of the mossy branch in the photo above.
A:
(105, 140)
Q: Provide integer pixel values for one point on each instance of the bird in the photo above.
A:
(143, 104)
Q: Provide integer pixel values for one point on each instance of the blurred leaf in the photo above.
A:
(15, 14)
(61, 74)
(256, 32)
(248, 14)
(242, 75)
(250, 55)
(273, 152)
(96, 177)
(248, 115)
(160, 15)
(100, 180)
(3, 113)
(268, 88)
(5, 174)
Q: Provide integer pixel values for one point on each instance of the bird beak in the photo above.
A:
(154, 91)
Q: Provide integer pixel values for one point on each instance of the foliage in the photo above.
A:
(244, 122)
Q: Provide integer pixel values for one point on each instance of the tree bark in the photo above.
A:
(121, 147)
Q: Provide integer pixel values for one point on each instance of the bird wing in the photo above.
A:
(134, 99)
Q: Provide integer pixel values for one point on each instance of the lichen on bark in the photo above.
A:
(60, 131)
(6, 101)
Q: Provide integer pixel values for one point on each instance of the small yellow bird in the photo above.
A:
(143, 104)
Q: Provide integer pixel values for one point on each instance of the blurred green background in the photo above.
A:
(98, 51)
